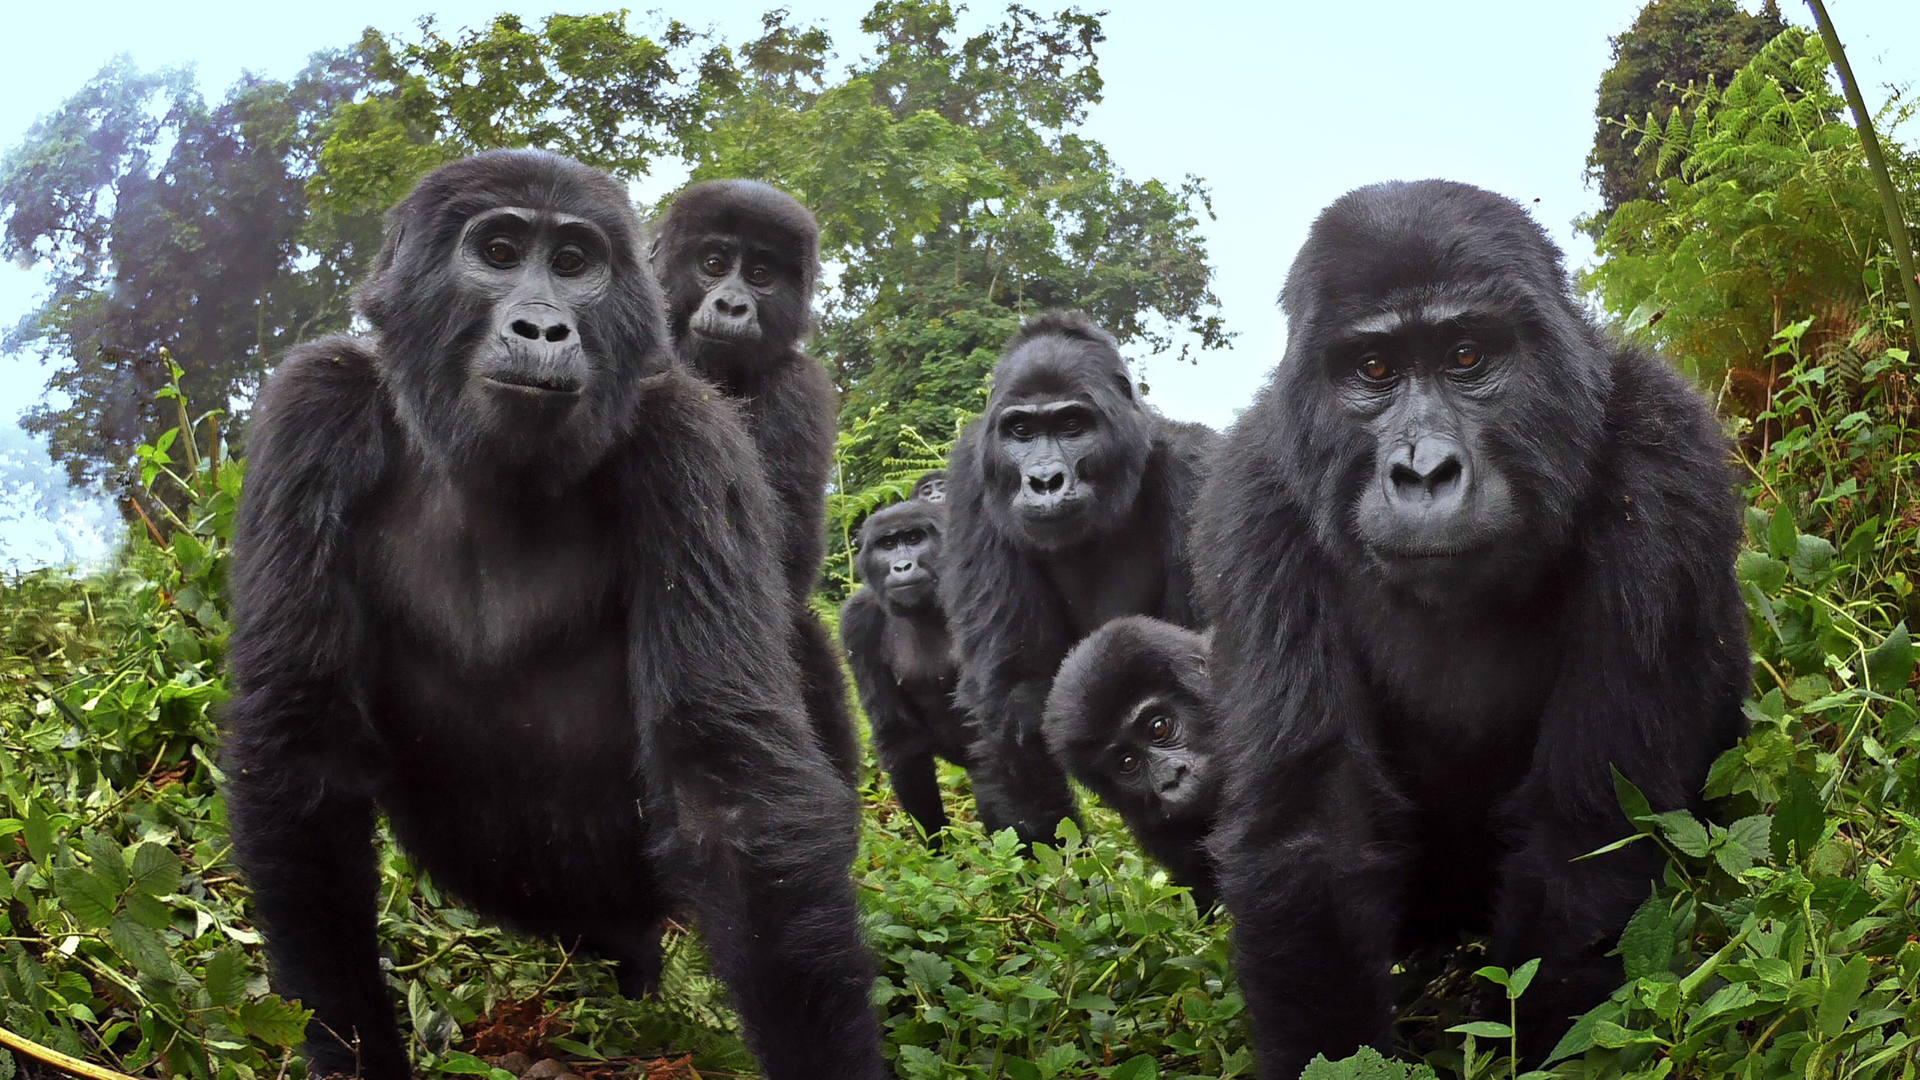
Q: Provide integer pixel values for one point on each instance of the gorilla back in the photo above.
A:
(1465, 557)
(486, 561)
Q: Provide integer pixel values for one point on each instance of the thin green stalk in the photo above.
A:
(1877, 165)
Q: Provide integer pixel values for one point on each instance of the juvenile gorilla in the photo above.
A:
(1129, 717)
(932, 487)
(1465, 556)
(902, 655)
(1068, 506)
(739, 260)
(502, 574)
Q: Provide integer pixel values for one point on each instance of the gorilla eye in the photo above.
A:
(500, 252)
(759, 275)
(1021, 430)
(1374, 368)
(1072, 425)
(715, 264)
(1161, 728)
(1129, 763)
(569, 261)
(915, 537)
(1465, 356)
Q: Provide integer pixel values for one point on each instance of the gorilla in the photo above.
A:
(902, 656)
(1130, 717)
(738, 260)
(504, 573)
(1068, 505)
(932, 487)
(1465, 556)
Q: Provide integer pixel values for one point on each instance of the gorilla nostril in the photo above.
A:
(1047, 485)
(558, 332)
(1444, 475)
(1403, 477)
(525, 329)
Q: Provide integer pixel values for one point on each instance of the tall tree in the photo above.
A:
(1671, 45)
(162, 222)
(956, 196)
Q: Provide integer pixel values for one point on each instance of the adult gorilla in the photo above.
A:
(1068, 506)
(503, 573)
(901, 653)
(739, 260)
(1465, 556)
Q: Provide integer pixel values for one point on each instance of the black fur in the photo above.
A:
(535, 635)
(789, 400)
(1130, 716)
(1435, 632)
(902, 655)
(1026, 581)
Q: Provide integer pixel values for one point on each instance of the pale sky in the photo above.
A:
(1280, 107)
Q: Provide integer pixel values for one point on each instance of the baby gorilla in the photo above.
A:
(1128, 716)
(895, 633)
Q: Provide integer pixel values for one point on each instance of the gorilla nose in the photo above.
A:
(1047, 483)
(731, 308)
(1432, 470)
(903, 567)
(541, 331)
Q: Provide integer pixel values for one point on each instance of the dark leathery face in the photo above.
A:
(900, 554)
(514, 311)
(1065, 440)
(932, 487)
(1444, 395)
(739, 260)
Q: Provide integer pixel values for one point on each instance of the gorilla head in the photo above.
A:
(1065, 442)
(514, 315)
(932, 487)
(1128, 716)
(1466, 391)
(739, 259)
(900, 555)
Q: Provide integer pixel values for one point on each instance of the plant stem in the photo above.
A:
(1877, 165)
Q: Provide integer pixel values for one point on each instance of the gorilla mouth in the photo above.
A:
(535, 382)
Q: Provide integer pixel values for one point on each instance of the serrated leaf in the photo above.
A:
(85, 895)
(1890, 664)
(1579, 1037)
(1612, 1036)
(1845, 983)
(156, 870)
(107, 861)
(226, 978)
(38, 832)
(1137, 1067)
(1646, 945)
(272, 1020)
(142, 947)
(1684, 832)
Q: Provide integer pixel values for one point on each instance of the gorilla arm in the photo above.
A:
(900, 735)
(748, 819)
(1652, 688)
(302, 816)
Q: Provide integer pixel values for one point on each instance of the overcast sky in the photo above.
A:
(1280, 107)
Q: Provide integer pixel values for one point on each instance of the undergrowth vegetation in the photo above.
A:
(1783, 940)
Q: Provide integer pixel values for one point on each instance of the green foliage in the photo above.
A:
(955, 198)
(1768, 212)
(1672, 45)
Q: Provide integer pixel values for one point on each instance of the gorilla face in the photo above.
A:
(900, 555)
(932, 487)
(1066, 444)
(1155, 766)
(738, 260)
(514, 315)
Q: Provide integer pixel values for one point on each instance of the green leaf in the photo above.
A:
(156, 870)
(1631, 801)
(226, 978)
(86, 896)
(1845, 983)
(1579, 1037)
(1612, 1036)
(38, 832)
(1782, 534)
(107, 861)
(1646, 945)
(142, 947)
(1137, 1067)
(1523, 978)
(1485, 1029)
(1797, 820)
(1685, 833)
(1890, 664)
(1764, 572)
(272, 1020)
(1812, 560)
(1496, 975)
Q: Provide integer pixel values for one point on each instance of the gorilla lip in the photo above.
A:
(527, 383)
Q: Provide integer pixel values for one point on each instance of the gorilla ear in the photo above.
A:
(1125, 384)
